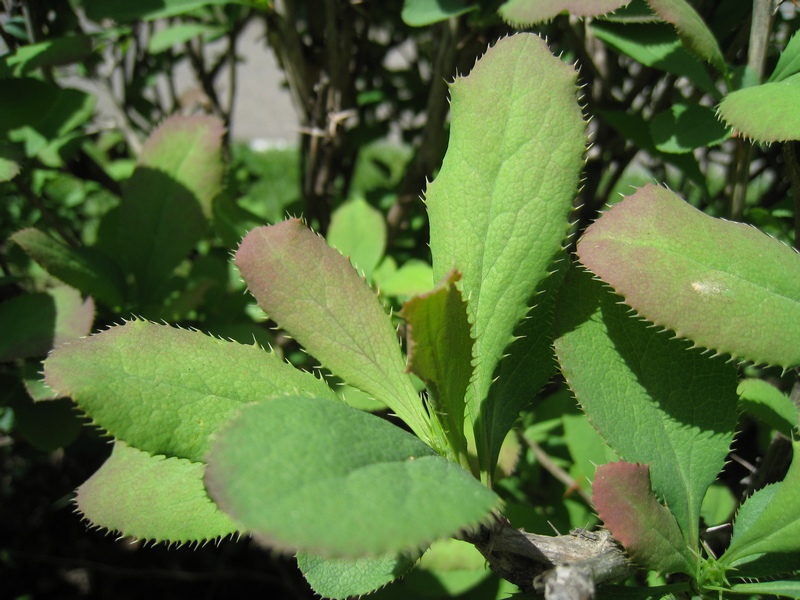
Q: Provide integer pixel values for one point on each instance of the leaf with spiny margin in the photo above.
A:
(177, 177)
(776, 528)
(765, 113)
(694, 33)
(152, 498)
(725, 286)
(307, 474)
(629, 378)
(768, 404)
(313, 292)
(685, 127)
(440, 353)
(358, 231)
(523, 13)
(85, 269)
(789, 60)
(341, 578)
(165, 390)
(630, 511)
(499, 208)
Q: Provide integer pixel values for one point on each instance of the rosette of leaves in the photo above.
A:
(214, 437)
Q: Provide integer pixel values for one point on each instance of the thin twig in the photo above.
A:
(560, 474)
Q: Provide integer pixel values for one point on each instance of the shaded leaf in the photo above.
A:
(336, 505)
(177, 177)
(123, 10)
(684, 127)
(694, 33)
(52, 52)
(178, 33)
(788, 589)
(630, 379)
(340, 578)
(655, 45)
(152, 498)
(47, 426)
(765, 113)
(768, 404)
(775, 525)
(725, 286)
(86, 269)
(313, 292)
(165, 390)
(9, 161)
(718, 505)
(358, 231)
(419, 13)
(32, 324)
(629, 510)
(440, 353)
(499, 207)
(523, 13)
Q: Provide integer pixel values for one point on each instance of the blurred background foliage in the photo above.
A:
(368, 81)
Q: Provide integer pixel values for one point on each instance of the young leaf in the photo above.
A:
(341, 578)
(694, 33)
(765, 113)
(358, 231)
(317, 476)
(178, 175)
(83, 268)
(313, 292)
(725, 286)
(152, 498)
(629, 379)
(440, 353)
(788, 589)
(776, 528)
(165, 390)
(499, 207)
(629, 509)
(524, 13)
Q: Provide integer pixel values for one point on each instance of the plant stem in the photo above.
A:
(551, 467)
(793, 167)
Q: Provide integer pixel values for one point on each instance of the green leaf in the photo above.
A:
(776, 528)
(718, 505)
(629, 510)
(499, 207)
(725, 286)
(628, 378)
(165, 390)
(692, 30)
(789, 60)
(586, 447)
(9, 161)
(86, 269)
(414, 277)
(123, 10)
(32, 324)
(440, 353)
(50, 53)
(358, 231)
(177, 34)
(765, 113)
(419, 13)
(34, 113)
(789, 589)
(341, 578)
(178, 175)
(370, 490)
(768, 404)
(655, 45)
(313, 292)
(684, 127)
(523, 13)
(47, 426)
(152, 498)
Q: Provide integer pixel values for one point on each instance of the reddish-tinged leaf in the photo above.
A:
(648, 531)
(314, 293)
(522, 13)
(692, 30)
